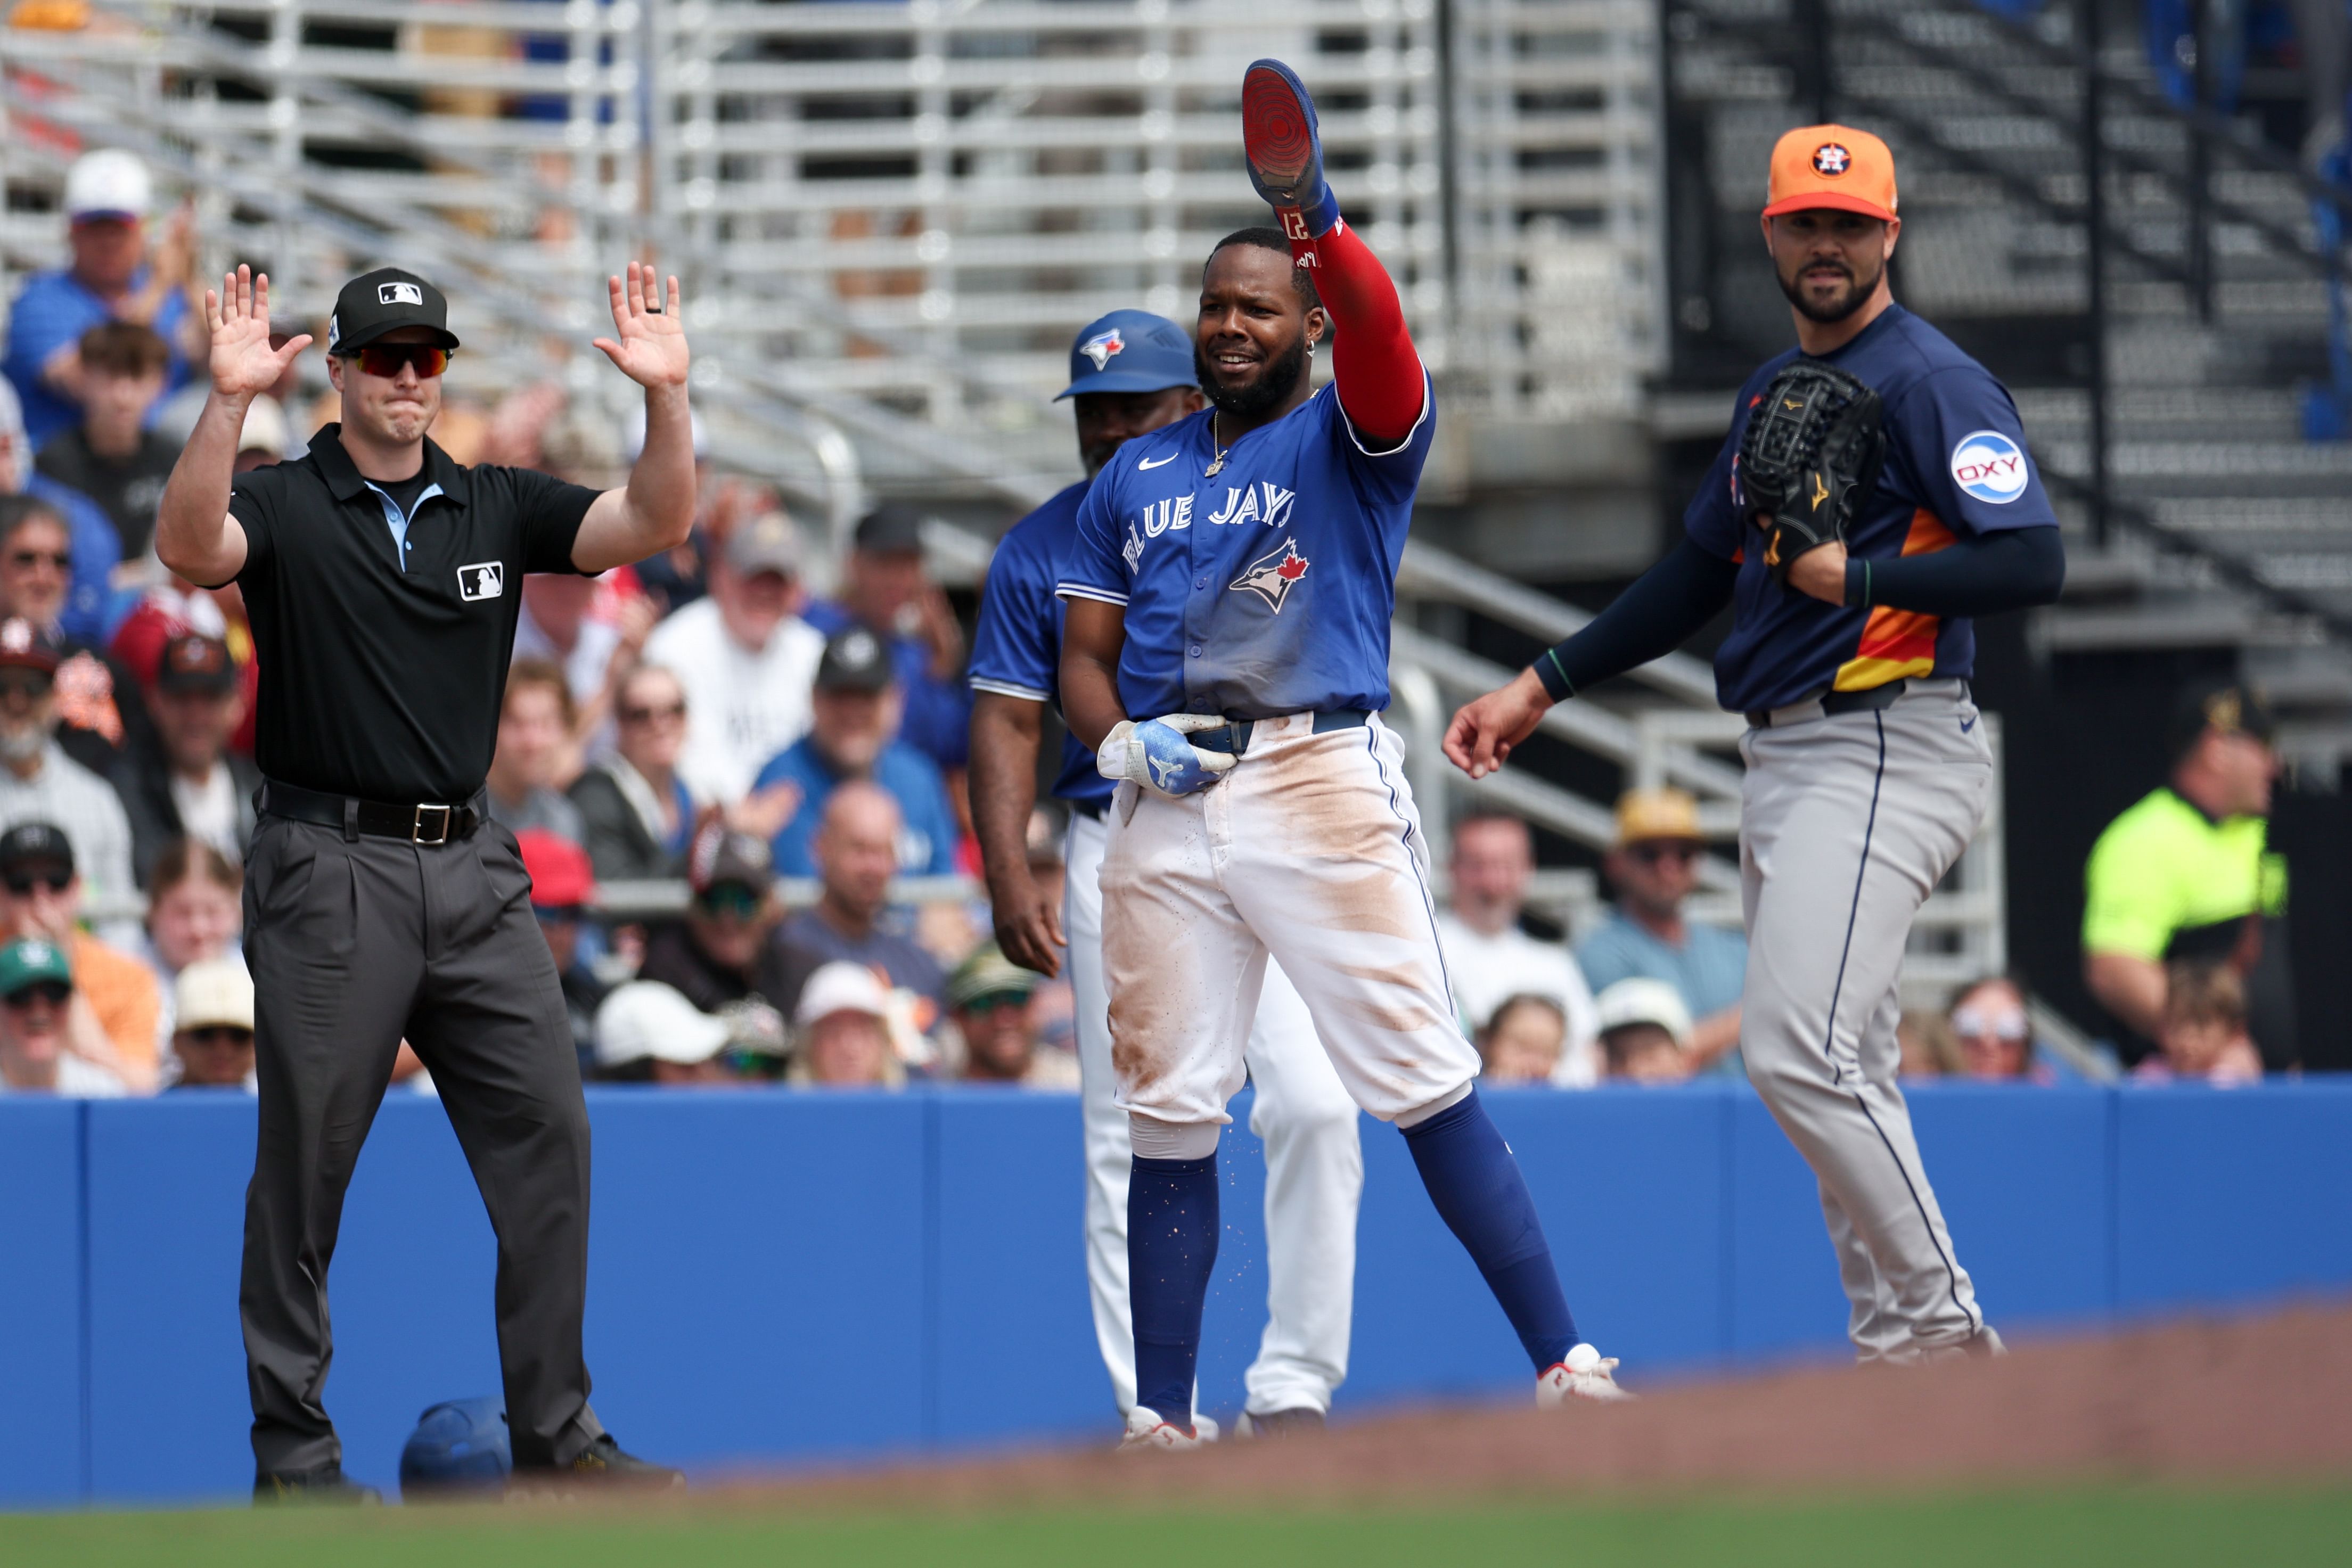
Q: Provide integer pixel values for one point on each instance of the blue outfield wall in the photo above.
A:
(782, 1278)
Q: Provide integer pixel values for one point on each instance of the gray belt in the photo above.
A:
(1234, 736)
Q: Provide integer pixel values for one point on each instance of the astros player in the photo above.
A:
(1131, 373)
(1226, 655)
(1867, 769)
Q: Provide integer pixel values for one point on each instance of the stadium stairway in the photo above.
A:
(2225, 528)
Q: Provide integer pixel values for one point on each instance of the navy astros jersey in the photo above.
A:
(1956, 463)
(1016, 651)
(1263, 588)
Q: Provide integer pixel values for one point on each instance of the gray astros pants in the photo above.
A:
(353, 943)
(1847, 824)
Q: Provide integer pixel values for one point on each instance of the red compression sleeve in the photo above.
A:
(1372, 355)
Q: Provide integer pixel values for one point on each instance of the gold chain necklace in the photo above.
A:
(1217, 464)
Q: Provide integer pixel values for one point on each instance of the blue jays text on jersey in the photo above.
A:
(1016, 650)
(1263, 587)
(1956, 463)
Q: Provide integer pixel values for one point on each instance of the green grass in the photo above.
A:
(2128, 1526)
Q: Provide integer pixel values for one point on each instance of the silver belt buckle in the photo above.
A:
(417, 829)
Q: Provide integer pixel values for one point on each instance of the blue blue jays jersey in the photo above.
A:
(1955, 464)
(1265, 588)
(1016, 651)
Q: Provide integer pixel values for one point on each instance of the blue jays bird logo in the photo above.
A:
(1273, 575)
(1103, 347)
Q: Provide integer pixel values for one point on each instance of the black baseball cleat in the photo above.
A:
(1304, 1422)
(326, 1486)
(604, 1465)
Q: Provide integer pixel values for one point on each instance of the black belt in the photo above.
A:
(1834, 703)
(428, 824)
(1234, 736)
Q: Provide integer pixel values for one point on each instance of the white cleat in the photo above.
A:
(1586, 1374)
(1146, 1430)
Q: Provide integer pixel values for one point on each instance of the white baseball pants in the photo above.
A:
(1847, 824)
(1314, 1177)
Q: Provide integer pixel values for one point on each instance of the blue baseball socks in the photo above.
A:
(1171, 1251)
(1474, 1181)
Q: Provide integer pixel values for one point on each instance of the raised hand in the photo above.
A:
(649, 341)
(242, 362)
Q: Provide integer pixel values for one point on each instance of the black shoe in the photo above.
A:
(1304, 1422)
(602, 1464)
(325, 1487)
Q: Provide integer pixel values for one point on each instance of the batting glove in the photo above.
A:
(1284, 153)
(1156, 755)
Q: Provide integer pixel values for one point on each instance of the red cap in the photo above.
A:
(561, 876)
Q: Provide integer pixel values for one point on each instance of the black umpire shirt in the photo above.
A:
(382, 678)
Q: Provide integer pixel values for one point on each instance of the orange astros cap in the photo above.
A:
(1831, 166)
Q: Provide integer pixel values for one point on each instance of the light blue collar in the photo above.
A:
(398, 520)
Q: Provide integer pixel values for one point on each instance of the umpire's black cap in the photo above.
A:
(385, 301)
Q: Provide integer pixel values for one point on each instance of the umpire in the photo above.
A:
(383, 581)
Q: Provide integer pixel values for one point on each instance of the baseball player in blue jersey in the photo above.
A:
(1131, 373)
(1225, 654)
(1873, 495)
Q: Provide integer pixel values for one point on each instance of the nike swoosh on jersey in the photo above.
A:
(1143, 464)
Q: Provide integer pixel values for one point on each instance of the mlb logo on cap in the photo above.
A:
(399, 294)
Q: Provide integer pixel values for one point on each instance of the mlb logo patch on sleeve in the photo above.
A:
(483, 579)
(1990, 466)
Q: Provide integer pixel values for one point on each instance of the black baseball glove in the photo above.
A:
(1810, 460)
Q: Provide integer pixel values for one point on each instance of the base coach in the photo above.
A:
(383, 581)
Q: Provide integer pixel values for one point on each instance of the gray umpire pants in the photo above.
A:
(1848, 821)
(354, 943)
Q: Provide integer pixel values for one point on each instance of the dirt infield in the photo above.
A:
(2254, 1399)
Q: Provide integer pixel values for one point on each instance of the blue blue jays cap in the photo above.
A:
(1129, 351)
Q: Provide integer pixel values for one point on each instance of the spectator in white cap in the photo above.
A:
(748, 660)
(1645, 1033)
(843, 1030)
(211, 1033)
(108, 198)
(647, 1033)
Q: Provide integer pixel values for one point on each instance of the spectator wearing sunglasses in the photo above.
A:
(212, 1042)
(993, 1003)
(192, 786)
(1653, 867)
(38, 782)
(43, 1037)
(634, 807)
(101, 718)
(1489, 958)
(1994, 1035)
(87, 603)
(41, 897)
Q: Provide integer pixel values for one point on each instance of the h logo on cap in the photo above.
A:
(399, 294)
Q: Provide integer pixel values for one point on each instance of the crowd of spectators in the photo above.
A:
(784, 737)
